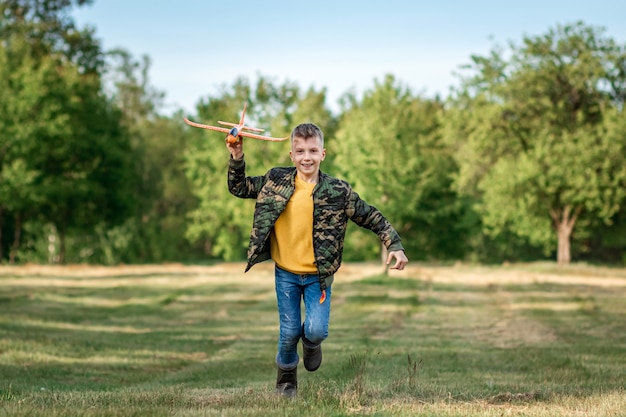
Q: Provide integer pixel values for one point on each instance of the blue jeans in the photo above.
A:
(291, 290)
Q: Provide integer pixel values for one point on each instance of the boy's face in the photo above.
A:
(307, 154)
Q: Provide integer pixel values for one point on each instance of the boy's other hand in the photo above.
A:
(401, 259)
(236, 149)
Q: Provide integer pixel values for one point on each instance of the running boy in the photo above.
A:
(300, 220)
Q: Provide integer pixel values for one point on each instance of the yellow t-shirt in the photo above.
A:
(292, 238)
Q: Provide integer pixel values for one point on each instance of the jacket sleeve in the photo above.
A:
(369, 217)
(238, 184)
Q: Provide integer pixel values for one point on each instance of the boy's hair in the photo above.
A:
(307, 130)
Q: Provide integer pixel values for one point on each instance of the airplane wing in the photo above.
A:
(216, 128)
(254, 129)
(261, 137)
(224, 130)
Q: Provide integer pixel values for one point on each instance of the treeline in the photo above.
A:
(524, 160)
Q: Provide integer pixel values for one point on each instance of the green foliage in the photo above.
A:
(25, 86)
(389, 149)
(87, 167)
(17, 185)
(153, 188)
(218, 221)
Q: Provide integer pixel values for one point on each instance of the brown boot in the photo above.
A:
(287, 382)
(312, 355)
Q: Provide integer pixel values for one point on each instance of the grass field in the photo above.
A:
(172, 340)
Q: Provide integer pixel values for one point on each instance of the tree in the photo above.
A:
(160, 190)
(47, 28)
(534, 135)
(218, 223)
(61, 141)
(21, 88)
(88, 166)
(388, 147)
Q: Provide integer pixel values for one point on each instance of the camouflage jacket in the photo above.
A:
(334, 202)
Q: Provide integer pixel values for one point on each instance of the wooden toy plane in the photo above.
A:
(237, 129)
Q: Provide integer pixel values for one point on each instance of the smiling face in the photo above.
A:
(307, 154)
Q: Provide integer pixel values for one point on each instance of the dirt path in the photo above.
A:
(234, 272)
(476, 275)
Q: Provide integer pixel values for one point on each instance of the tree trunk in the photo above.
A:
(61, 246)
(1, 218)
(16, 238)
(563, 255)
(564, 221)
(383, 257)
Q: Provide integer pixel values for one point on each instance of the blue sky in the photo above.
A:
(197, 46)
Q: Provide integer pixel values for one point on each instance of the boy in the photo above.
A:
(300, 220)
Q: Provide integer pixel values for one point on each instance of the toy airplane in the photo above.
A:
(236, 129)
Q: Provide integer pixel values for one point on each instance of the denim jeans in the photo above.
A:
(291, 290)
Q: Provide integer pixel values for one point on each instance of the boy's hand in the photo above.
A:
(236, 149)
(401, 259)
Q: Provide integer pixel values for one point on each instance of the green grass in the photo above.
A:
(522, 340)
